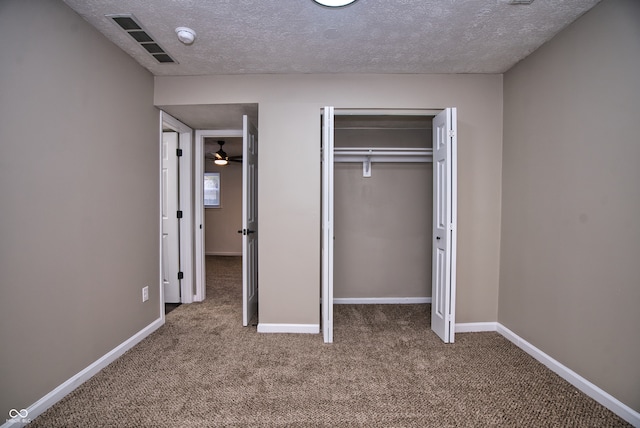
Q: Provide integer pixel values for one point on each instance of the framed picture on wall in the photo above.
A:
(212, 190)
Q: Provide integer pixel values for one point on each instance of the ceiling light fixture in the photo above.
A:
(186, 35)
(334, 3)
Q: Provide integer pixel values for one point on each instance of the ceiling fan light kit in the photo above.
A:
(221, 158)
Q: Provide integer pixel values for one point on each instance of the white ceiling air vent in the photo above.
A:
(131, 26)
(519, 1)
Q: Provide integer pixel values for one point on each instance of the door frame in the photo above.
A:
(327, 254)
(184, 203)
(198, 204)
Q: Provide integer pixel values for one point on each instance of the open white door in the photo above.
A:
(249, 221)
(184, 194)
(444, 225)
(170, 222)
(327, 224)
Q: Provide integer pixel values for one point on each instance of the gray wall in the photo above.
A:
(383, 223)
(289, 195)
(221, 225)
(570, 271)
(79, 176)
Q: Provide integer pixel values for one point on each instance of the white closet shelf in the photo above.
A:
(381, 154)
(368, 155)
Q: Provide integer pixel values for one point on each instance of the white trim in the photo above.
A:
(386, 112)
(160, 258)
(40, 406)
(473, 327)
(380, 300)
(288, 328)
(593, 391)
(223, 253)
(199, 223)
(187, 234)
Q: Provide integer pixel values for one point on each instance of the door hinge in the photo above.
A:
(451, 133)
(179, 214)
(178, 152)
(180, 275)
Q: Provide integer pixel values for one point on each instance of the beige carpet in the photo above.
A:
(385, 369)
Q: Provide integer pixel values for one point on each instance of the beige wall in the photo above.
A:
(569, 280)
(382, 245)
(221, 225)
(289, 195)
(79, 198)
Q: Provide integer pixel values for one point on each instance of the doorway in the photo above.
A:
(378, 241)
(248, 137)
(382, 209)
(183, 119)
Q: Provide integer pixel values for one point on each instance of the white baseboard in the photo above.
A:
(223, 253)
(288, 328)
(593, 391)
(473, 327)
(37, 408)
(380, 300)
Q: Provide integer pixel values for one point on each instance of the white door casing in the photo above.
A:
(200, 277)
(170, 222)
(249, 221)
(327, 222)
(444, 225)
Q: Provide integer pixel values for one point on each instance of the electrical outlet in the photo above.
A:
(145, 294)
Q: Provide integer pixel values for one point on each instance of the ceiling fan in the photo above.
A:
(220, 157)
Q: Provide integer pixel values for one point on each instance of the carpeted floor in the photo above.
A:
(385, 369)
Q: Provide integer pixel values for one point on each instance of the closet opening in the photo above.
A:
(382, 209)
(379, 234)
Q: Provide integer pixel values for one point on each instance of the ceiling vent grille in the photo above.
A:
(131, 26)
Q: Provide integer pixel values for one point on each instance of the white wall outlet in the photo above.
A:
(145, 294)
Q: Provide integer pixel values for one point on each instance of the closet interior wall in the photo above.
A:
(383, 226)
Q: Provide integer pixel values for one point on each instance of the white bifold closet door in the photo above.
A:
(327, 223)
(443, 282)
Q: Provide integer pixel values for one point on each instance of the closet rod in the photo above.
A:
(382, 151)
(368, 155)
(382, 154)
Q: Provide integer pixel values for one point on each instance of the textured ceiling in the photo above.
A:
(370, 36)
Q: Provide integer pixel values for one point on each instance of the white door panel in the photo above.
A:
(249, 222)
(444, 225)
(170, 224)
(327, 223)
